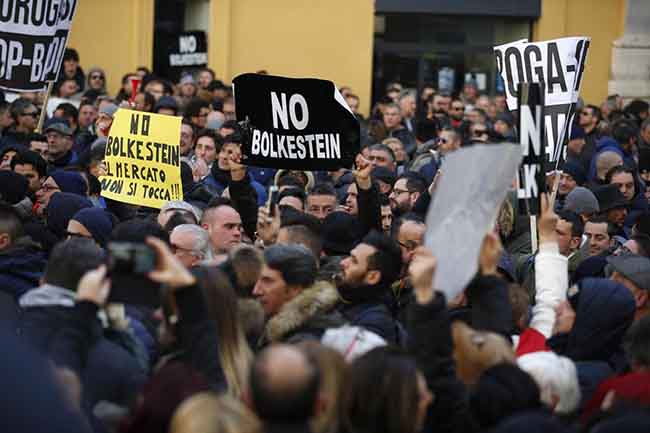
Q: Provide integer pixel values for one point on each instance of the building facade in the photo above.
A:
(365, 44)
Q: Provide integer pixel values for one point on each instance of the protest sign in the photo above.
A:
(33, 36)
(189, 49)
(532, 175)
(142, 159)
(557, 64)
(464, 208)
(301, 124)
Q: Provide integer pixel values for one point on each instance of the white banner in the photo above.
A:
(465, 207)
(556, 64)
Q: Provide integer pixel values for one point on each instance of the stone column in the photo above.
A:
(631, 54)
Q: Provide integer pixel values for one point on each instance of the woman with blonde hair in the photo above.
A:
(221, 301)
(208, 413)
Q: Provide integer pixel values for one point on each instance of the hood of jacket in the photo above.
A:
(318, 299)
(605, 310)
(21, 267)
(48, 295)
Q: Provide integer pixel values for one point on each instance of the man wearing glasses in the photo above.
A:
(478, 133)
(588, 119)
(25, 115)
(59, 141)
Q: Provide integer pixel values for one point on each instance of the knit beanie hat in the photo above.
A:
(70, 181)
(97, 222)
(13, 187)
(581, 201)
(60, 210)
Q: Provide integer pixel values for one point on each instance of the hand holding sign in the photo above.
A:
(421, 271)
(237, 169)
(362, 173)
(547, 223)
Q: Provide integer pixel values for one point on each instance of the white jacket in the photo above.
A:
(551, 285)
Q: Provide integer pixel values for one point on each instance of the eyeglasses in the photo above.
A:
(76, 235)
(48, 188)
(401, 191)
(457, 108)
(96, 77)
(32, 114)
(443, 140)
(480, 131)
(409, 245)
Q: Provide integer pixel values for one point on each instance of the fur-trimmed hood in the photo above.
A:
(316, 300)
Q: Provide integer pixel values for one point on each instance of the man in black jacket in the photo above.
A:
(111, 373)
(368, 272)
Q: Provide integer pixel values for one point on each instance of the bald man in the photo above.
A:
(283, 388)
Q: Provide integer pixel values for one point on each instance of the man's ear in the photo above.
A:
(641, 298)
(574, 244)
(414, 198)
(373, 277)
(5, 240)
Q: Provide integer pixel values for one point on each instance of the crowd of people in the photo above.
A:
(239, 310)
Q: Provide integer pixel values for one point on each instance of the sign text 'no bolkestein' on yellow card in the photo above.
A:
(142, 159)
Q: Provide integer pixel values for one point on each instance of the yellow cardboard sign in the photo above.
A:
(142, 159)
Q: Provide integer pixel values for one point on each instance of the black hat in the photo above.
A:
(341, 232)
(383, 174)
(166, 102)
(576, 171)
(59, 125)
(609, 197)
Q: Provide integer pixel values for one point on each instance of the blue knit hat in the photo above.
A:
(70, 181)
(97, 222)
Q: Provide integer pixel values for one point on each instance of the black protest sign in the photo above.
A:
(532, 178)
(189, 49)
(295, 123)
(33, 36)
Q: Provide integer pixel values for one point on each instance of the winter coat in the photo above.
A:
(32, 398)
(305, 317)
(13, 138)
(431, 345)
(604, 312)
(21, 267)
(376, 317)
(110, 373)
(605, 309)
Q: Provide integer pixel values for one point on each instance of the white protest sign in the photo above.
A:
(556, 64)
(33, 36)
(465, 205)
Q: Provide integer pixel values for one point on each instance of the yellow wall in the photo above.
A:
(602, 20)
(296, 38)
(116, 35)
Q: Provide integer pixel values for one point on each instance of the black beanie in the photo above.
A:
(502, 391)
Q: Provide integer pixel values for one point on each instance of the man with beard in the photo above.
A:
(406, 192)
(367, 275)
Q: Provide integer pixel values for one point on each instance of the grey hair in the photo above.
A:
(201, 244)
